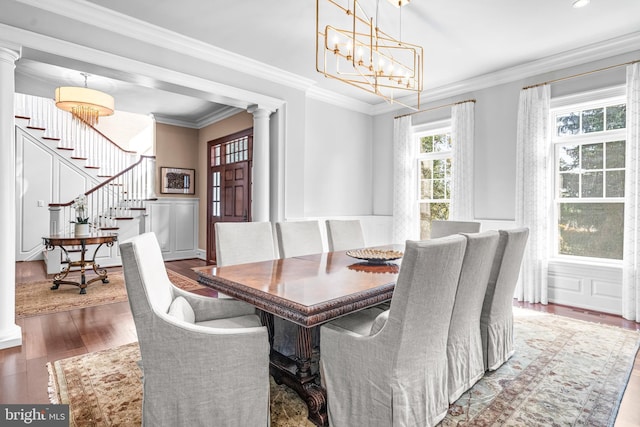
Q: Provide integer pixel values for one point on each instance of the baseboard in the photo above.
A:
(13, 339)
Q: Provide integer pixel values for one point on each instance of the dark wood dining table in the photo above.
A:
(308, 291)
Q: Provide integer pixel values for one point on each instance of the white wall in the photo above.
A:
(337, 161)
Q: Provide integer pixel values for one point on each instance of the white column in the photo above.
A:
(260, 194)
(10, 333)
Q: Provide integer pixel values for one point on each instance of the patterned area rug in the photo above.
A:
(37, 298)
(565, 372)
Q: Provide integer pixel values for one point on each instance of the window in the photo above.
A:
(589, 145)
(434, 175)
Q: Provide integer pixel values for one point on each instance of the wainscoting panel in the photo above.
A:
(159, 221)
(566, 284)
(175, 223)
(592, 286)
(43, 177)
(606, 289)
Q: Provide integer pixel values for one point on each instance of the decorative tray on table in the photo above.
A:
(375, 256)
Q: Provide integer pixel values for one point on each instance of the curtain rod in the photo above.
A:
(580, 74)
(435, 108)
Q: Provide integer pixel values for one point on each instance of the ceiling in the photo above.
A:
(462, 39)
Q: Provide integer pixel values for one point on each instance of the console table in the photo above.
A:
(67, 240)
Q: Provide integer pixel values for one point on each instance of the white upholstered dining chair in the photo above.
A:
(243, 242)
(440, 228)
(205, 361)
(343, 234)
(298, 238)
(496, 321)
(464, 343)
(386, 368)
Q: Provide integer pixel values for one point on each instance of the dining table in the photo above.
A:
(307, 291)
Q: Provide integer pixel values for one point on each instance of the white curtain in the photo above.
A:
(631, 271)
(406, 224)
(462, 130)
(534, 203)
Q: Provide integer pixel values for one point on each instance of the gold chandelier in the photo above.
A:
(83, 103)
(357, 52)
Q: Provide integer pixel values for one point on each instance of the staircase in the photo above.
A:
(72, 137)
(122, 181)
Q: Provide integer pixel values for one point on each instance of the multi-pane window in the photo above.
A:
(229, 152)
(236, 150)
(434, 177)
(589, 143)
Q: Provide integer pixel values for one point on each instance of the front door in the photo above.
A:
(229, 183)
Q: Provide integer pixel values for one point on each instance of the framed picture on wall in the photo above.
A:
(177, 180)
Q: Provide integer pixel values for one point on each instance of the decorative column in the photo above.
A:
(10, 333)
(260, 195)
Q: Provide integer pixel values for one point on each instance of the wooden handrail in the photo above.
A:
(97, 187)
(104, 136)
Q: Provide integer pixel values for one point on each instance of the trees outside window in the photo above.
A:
(589, 144)
(434, 176)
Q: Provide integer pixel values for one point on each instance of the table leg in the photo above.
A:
(267, 320)
(299, 373)
(313, 394)
(100, 272)
(59, 278)
(83, 279)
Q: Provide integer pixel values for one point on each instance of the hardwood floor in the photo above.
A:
(23, 371)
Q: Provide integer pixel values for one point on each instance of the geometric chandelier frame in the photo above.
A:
(350, 47)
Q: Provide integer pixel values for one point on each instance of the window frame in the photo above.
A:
(420, 131)
(571, 103)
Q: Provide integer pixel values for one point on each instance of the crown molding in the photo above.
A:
(84, 11)
(209, 119)
(174, 122)
(340, 100)
(218, 116)
(593, 52)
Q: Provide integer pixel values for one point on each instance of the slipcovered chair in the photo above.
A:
(464, 345)
(390, 369)
(496, 321)
(243, 242)
(344, 234)
(441, 228)
(298, 238)
(205, 361)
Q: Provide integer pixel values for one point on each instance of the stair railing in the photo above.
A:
(86, 142)
(113, 200)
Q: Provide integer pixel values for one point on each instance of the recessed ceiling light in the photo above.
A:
(580, 3)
